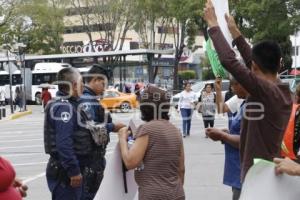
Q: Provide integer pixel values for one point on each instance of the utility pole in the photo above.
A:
(10, 84)
(22, 60)
(21, 56)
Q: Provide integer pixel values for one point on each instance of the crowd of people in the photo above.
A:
(263, 123)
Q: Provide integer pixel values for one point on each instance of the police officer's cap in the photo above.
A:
(98, 70)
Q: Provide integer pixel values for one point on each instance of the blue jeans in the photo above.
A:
(186, 120)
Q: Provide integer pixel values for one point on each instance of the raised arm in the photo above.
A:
(240, 72)
(239, 40)
(221, 106)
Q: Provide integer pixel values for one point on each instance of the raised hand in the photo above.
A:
(210, 14)
(233, 28)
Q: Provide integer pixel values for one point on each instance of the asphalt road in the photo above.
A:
(21, 141)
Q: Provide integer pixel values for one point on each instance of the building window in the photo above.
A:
(168, 30)
(163, 46)
(134, 45)
(84, 10)
(93, 28)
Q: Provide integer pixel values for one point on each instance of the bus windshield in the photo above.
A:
(38, 79)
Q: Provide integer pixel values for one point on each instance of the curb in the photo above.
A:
(20, 114)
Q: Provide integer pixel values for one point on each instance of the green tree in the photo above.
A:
(269, 20)
(7, 11)
(183, 13)
(177, 15)
(38, 24)
(187, 74)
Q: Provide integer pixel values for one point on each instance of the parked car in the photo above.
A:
(198, 87)
(113, 100)
(291, 82)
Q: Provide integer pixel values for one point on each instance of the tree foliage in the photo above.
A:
(7, 11)
(33, 25)
(269, 20)
(187, 74)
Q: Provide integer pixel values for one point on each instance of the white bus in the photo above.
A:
(4, 82)
(45, 73)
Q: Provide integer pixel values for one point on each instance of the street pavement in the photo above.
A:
(21, 141)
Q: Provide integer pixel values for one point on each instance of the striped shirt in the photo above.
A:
(159, 179)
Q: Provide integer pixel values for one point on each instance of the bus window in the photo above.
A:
(38, 79)
(4, 80)
(16, 79)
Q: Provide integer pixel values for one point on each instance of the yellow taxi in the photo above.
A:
(113, 99)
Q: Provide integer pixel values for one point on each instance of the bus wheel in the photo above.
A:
(38, 99)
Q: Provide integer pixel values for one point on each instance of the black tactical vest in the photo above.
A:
(83, 143)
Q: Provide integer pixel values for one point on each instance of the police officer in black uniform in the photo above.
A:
(63, 138)
(100, 125)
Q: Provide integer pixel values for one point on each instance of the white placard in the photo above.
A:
(112, 186)
(222, 8)
(261, 183)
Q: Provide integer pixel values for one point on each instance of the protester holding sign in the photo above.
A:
(231, 138)
(287, 166)
(157, 152)
(269, 103)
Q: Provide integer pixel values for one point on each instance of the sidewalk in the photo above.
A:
(16, 114)
(204, 164)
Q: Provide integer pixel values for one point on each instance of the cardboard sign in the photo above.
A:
(261, 183)
(112, 186)
(222, 8)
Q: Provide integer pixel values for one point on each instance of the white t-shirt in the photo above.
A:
(187, 99)
(234, 104)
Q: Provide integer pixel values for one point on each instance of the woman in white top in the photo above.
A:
(186, 105)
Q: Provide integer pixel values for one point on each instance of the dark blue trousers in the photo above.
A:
(61, 191)
(186, 120)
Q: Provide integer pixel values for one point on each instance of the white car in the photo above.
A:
(198, 87)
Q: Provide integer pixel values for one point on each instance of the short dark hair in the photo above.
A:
(209, 84)
(66, 77)
(155, 104)
(267, 56)
(185, 84)
(95, 71)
